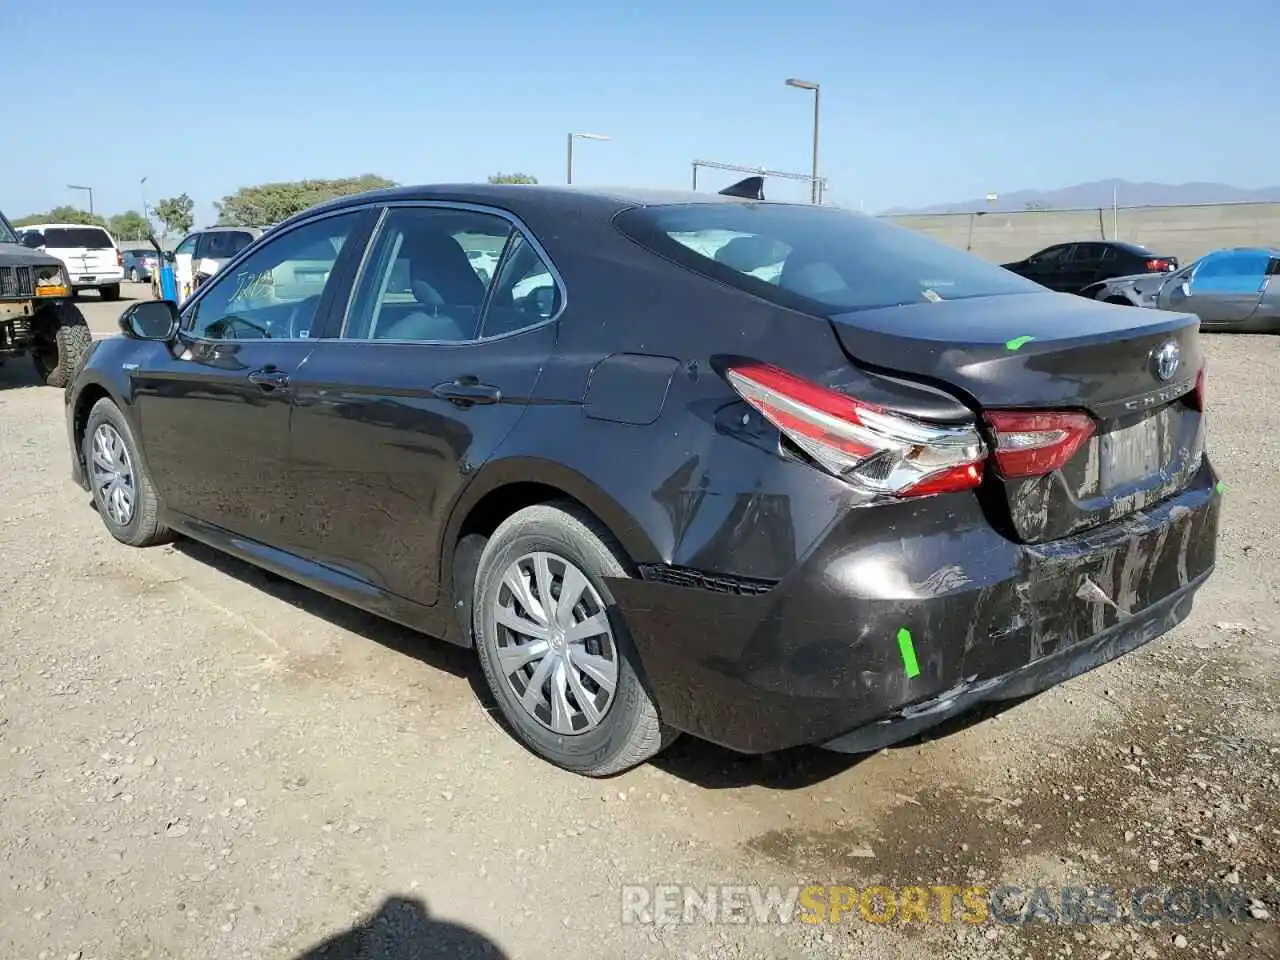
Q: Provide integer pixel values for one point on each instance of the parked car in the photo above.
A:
(92, 259)
(655, 491)
(1231, 290)
(202, 253)
(1071, 267)
(1139, 290)
(140, 264)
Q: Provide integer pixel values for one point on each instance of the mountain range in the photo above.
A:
(1099, 193)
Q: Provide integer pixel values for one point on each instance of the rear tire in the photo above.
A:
(110, 293)
(62, 343)
(112, 464)
(574, 720)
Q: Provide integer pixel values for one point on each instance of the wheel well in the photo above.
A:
(484, 517)
(84, 403)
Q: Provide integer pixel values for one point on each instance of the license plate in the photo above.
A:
(1131, 453)
(87, 279)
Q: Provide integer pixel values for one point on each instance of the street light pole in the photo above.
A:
(568, 169)
(72, 186)
(816, 195)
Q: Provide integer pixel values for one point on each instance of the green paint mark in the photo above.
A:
(1017, 342)
(1220, 487)
(908, 651)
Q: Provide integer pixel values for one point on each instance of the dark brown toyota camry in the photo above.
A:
(763, 473)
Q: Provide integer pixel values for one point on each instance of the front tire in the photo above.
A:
(62, 343)
(554, 648)
(122, 488)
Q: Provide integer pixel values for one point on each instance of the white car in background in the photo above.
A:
(89, 253)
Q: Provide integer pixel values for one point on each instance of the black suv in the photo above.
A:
(35, 315)
(1070, 267)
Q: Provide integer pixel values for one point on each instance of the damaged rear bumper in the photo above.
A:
(816, 659)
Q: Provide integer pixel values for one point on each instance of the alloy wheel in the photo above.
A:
(554, 644)
(113, 479)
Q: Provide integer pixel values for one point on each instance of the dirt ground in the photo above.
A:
(200, 761)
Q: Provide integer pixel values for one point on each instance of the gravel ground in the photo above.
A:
(200, 761)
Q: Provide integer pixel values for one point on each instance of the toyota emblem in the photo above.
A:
(1165, 359)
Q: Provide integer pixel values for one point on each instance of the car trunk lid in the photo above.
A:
(1056, 352)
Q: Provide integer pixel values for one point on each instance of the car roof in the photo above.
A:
(62, 226)
(519, 197)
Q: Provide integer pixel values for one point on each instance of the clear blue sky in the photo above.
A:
(923, 101)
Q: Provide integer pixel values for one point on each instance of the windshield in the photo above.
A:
(7, 233)
(819, 260)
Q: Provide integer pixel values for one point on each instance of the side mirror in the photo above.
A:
(150, 320)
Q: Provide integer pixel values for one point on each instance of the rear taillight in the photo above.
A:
(1161, 266)
(1030, 444)
(869, 445)
(119, 259)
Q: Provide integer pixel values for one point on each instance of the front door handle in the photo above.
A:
(269, 379)
(466, 391)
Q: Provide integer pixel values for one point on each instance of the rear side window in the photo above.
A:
(91, 238)
(815, 259)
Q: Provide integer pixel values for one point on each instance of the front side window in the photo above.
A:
(275, 292)
(1242, 271)
(427, 275)
(815, 259)
(224, 244)
(1050, 255)
(187, 246)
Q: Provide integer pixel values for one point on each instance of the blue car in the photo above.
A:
(139, 264)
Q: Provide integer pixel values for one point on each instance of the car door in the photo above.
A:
(184, 265)
(432, 369)
(1048, 266)
(213, 406)
(1083, 267)
(1224, 287)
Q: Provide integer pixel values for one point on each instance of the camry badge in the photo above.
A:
(1165, 360)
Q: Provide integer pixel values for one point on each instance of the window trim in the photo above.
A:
(517, 226)
(192, 304)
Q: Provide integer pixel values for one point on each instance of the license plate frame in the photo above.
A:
(1131, 454)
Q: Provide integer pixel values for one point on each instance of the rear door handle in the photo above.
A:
(466, 391)
(269, 379)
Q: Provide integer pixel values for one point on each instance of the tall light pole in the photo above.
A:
(142, 187)
(810, 85)
(568, 170)
(72, 186)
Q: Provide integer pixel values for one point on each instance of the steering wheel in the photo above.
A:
(302, 318)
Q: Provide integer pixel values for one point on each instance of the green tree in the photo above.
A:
(513, 178)
(62, 214)
(130, 225)
(269, 203)
(175, 213)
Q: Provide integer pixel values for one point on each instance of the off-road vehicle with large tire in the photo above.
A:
(37, 316)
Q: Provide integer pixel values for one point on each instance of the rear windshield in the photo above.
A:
(816, 259)
(91, 238)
